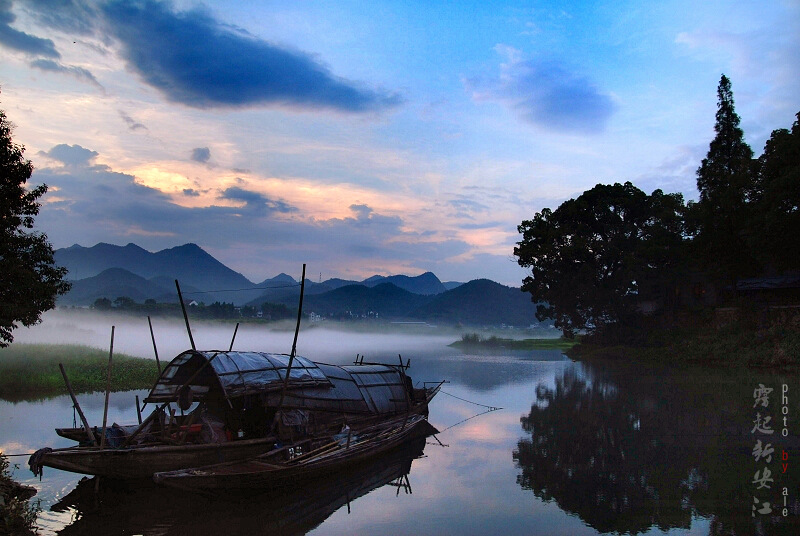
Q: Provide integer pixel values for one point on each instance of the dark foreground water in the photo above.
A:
(576, 449)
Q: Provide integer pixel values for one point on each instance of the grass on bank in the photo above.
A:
(475, 340)
(30, 371)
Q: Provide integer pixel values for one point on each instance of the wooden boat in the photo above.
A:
(288, 466)
(236, 406)
(125, 507)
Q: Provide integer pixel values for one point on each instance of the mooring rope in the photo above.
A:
(490, 408)
(469, 418)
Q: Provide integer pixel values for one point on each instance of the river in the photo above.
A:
(576, 449)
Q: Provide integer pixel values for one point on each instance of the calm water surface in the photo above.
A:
(576, 449)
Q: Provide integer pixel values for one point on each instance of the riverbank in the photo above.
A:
(772, 343)
(17, 515)
(30, 371)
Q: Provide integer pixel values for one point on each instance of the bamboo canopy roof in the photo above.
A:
(367, 389)
(236, 373)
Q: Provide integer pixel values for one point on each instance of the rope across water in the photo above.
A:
(489, 409)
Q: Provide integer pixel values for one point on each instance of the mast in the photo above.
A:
(294, 346)
(185, 316)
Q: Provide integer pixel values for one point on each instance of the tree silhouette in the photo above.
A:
(725, 181)
(595, 258)
(777, 200)
(30, 281)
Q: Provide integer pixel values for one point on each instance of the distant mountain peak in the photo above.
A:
(189, 263)
(189, 246)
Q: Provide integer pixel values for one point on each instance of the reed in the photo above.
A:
(30, 371)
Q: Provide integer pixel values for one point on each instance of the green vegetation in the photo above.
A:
(17, 515)
(30, 281)
(30, 371)
(196, 310)
(705, 281)
(594, 258)
(475, 340)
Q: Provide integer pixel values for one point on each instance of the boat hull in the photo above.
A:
(143, 462)
(259, 474)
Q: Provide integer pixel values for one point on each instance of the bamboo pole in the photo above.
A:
(108, 390)
(138, 410)
(294, 343)
(185, 316)
(234, 336)
(155, 349)
(77, 406)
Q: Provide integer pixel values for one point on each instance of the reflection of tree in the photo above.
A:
(652, 452)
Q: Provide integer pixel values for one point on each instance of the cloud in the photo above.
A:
(131, 122)
(194, 59)
(198, 61)
(69, 16)
(466, 207)
(255, 201)
(247, 237)
(78, 72)
(546, 94)
(71, 155)
(201, 154)
(21, 41)
(365, 215)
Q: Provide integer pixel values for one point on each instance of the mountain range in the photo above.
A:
(110, 271)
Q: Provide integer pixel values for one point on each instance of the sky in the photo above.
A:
(379, 137)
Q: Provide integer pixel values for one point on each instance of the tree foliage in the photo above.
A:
(30, 281)
(595, 258)
(776, 221)
(725, 182)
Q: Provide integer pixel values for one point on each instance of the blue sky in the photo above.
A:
(372, 137)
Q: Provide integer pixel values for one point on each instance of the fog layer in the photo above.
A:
(132, 336)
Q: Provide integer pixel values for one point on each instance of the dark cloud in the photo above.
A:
(255, 201)
(201, 154)
(78, 72)
(196, 60)
(191, 192)
(21, 41)
(547, 94)
(192, 58)
(364, 215)
(71, 155)
(131, 122)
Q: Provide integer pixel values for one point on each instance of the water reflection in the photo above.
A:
(628, 452)
(120, 508)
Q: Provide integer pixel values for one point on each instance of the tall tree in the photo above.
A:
(30, 280)
(777, 204)
(595, 259)
(725, 181)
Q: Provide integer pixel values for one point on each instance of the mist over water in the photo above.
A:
(132, 336)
